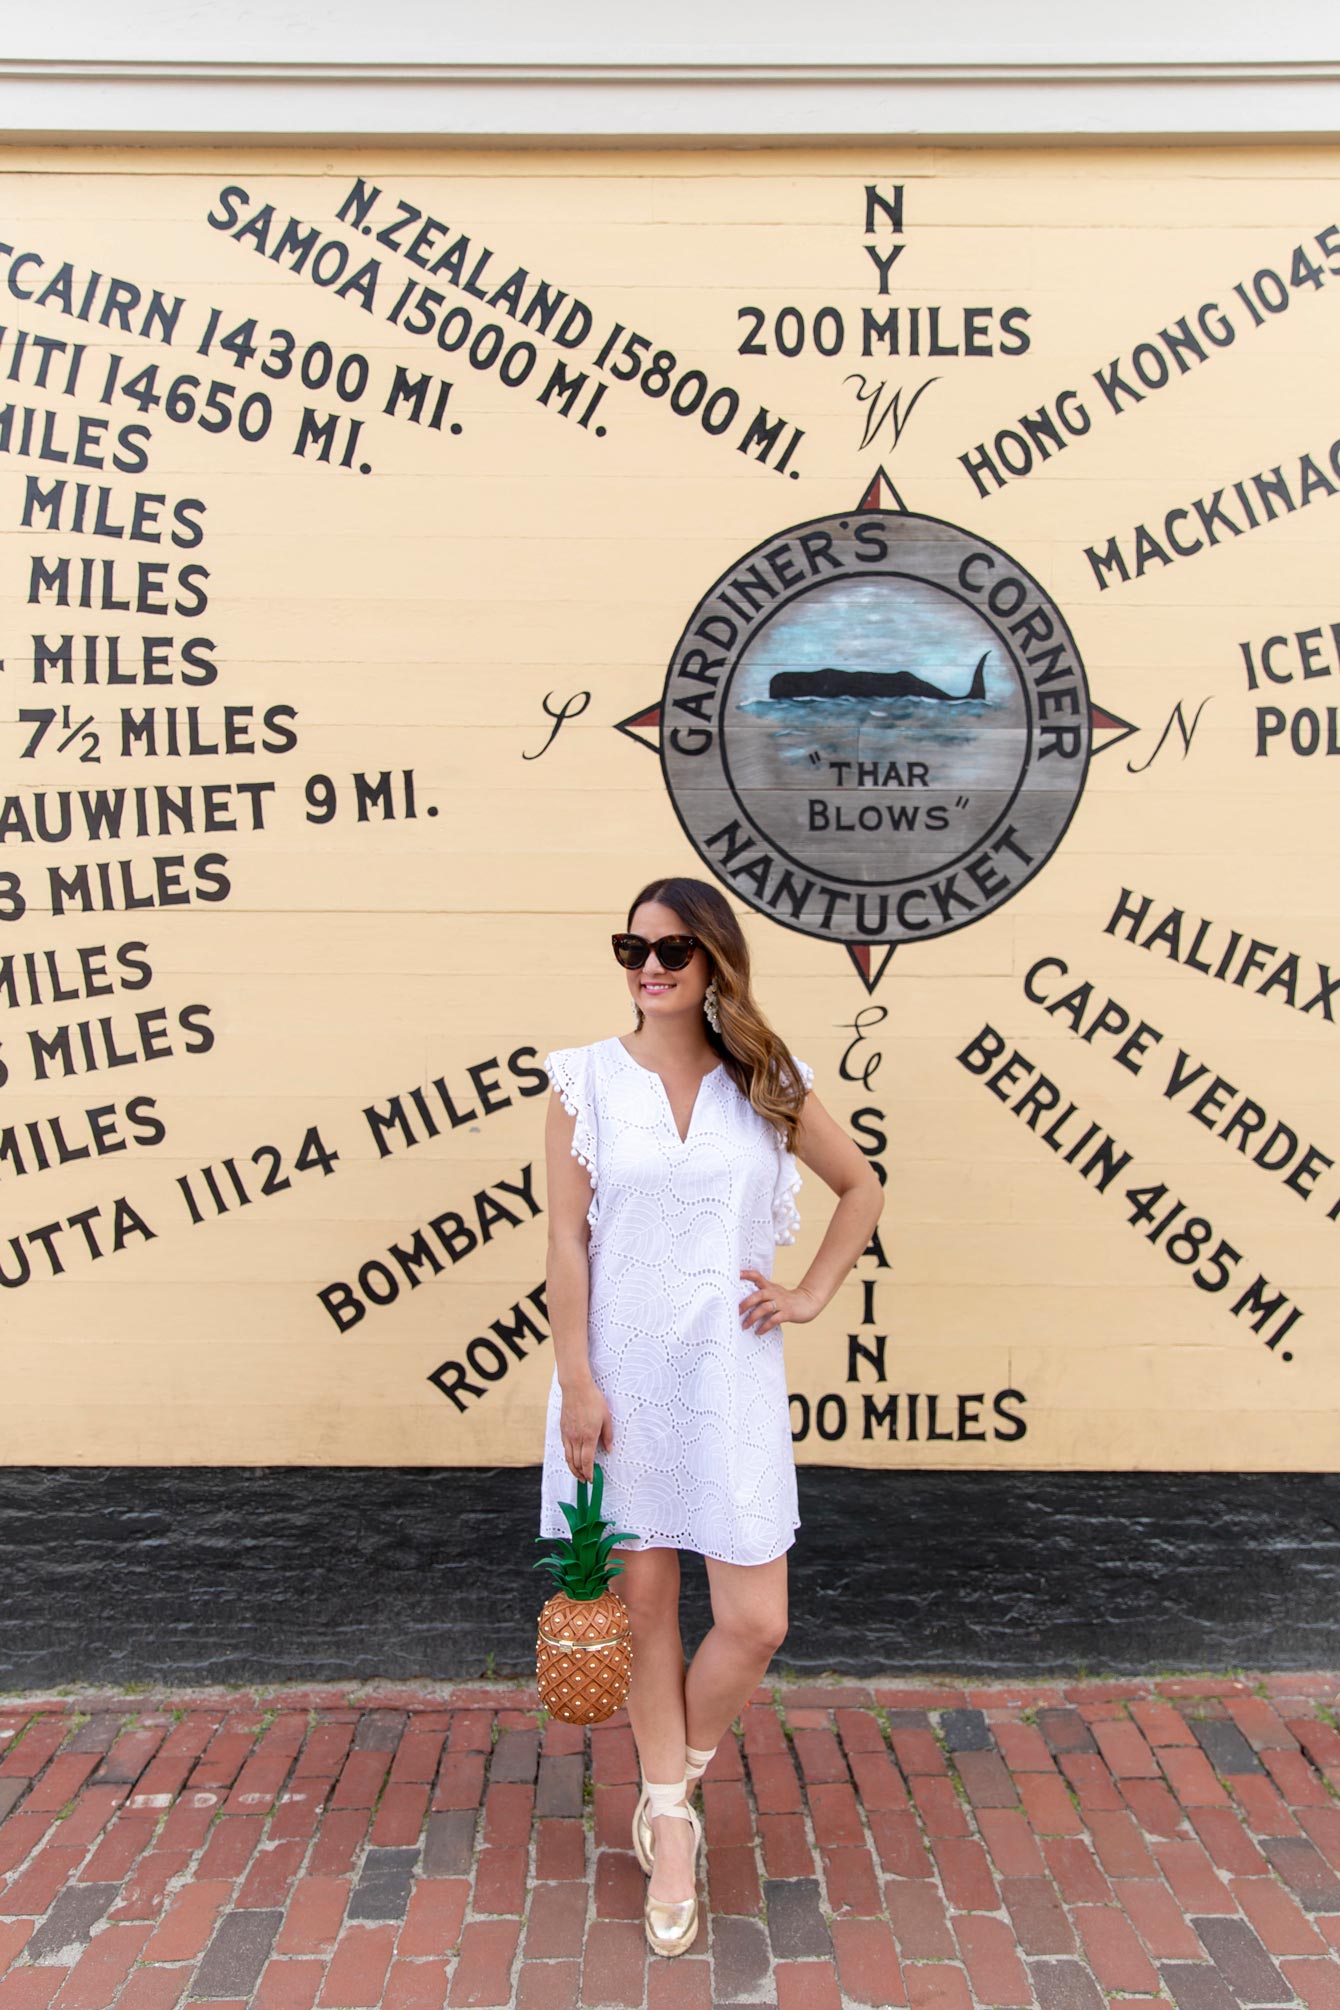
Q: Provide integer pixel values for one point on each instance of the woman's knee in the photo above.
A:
(776, 1633)
(749, 1605)
(757, 1630)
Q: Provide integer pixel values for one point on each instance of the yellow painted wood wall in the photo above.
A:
(408, 589)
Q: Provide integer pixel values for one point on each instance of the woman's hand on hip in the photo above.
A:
(770, 1304)
(585, 1425)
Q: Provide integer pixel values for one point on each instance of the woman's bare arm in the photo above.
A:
(585, 1420)
(825, 1148)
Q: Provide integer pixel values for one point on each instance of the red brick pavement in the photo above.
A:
(910, 1844)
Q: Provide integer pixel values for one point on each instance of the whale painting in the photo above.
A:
(862, 678)
(830, 683)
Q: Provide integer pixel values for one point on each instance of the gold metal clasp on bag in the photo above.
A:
(582, 1646)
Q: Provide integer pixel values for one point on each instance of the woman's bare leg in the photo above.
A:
(649, 1587)
(749, 1615)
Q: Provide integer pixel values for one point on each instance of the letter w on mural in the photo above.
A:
(893, 412)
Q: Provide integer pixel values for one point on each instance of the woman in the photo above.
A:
(671, 1172)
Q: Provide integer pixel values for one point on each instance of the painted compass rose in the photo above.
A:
(875, 728)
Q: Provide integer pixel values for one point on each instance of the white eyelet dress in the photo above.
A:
(702, 1457)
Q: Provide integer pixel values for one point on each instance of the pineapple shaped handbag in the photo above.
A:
(584, 1650)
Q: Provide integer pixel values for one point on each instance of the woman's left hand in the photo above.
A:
(769, 1304)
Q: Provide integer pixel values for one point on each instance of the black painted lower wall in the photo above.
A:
(195, 1575)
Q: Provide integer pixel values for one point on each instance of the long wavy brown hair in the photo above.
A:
(756, 1060)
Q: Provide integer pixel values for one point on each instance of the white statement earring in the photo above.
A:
(710, 1002)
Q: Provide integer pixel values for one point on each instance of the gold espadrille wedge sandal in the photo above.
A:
(671, 1924)
(696, 1764)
